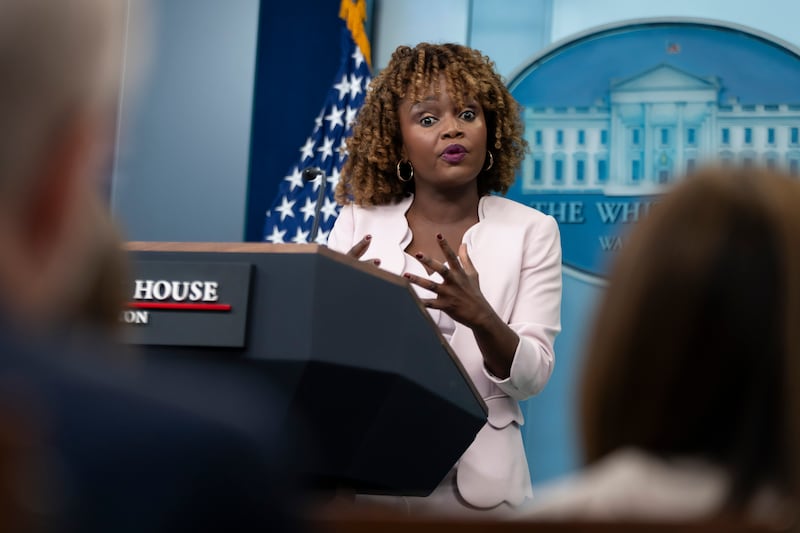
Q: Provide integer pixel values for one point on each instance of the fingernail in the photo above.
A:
(407, 275)
(368, 237)
(439, 236)
(376, 262)
(418, 255)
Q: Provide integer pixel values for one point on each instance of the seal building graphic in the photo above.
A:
(615, 115)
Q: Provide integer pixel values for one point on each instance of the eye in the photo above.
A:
(469, 115)
(428, 121)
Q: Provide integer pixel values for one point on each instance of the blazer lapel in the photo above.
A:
(390, 228)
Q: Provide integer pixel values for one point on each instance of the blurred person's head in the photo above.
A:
(99, 294)
(695, 347)
(60, 65)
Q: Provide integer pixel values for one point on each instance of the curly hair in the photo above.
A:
(369, 174)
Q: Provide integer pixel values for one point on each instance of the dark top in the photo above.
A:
(144, 446)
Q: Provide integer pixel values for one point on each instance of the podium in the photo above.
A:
(388, 406)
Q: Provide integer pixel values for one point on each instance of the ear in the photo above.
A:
(56, 182)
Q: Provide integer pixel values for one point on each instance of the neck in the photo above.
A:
(445, 207)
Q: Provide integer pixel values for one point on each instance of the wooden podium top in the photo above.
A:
(262, 247)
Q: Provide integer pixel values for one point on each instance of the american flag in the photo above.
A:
(291, 216)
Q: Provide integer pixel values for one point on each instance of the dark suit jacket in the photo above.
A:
(142, 446)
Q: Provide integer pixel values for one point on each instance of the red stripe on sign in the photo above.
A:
(179, 306)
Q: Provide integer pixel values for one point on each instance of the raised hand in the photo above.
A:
(360, 248)
(459, 295)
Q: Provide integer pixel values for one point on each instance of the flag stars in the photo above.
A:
(308, 209)
(326, 149)
(295, 206)
(358, 57)
(333, 179)
(286, 208)
(342, 149)
(335, 117)
(322, 237)
(307, 151)
(350, 115)
(355, 85)
(329, 209)
(295, 179)
(318, 120)
(276, 236)
(301, 236)
(343, 87)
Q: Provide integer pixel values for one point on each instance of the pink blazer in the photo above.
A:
(517, 253)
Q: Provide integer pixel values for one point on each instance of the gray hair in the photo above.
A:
(58, 58)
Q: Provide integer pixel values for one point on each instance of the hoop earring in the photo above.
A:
(405, 179)
(491, 159)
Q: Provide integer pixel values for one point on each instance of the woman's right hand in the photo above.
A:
(360, 248)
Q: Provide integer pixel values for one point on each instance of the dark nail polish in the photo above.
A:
(368, 238)
(418, 255)
(439, 236)
(407, 275)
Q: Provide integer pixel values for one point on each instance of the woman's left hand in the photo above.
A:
(459, 295)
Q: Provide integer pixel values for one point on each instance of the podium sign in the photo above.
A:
(182, 303)
(389, 406)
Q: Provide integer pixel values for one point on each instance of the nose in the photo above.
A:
(452, 129)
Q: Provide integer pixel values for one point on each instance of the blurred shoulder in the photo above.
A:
(630, 484)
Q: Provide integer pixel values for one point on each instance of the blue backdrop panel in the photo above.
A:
(609, 132)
